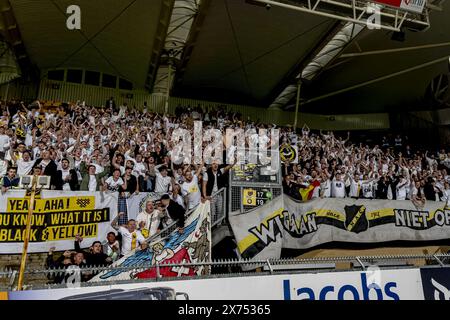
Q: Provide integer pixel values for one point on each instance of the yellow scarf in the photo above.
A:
(133, 241)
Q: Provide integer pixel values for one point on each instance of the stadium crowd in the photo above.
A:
(108, 149)
(128, 151)
(114, 149)
(332, 167)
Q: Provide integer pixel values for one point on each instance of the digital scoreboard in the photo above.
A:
(254, 173)
(254, 198)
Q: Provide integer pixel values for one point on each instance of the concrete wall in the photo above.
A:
(34, 261)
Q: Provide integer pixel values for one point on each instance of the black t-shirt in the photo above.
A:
(13, 109)
(176, 212)
(131, 184)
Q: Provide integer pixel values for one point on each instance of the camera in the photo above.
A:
(268, 6)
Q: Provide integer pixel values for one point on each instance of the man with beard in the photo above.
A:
(95, 257)
(66, 178)
(131, 237)
(49, 167)
(148, 220)
(190, 189)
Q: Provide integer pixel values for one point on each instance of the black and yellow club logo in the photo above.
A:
(288, 153)
(355, 218)
(249, 198)
(20, 133)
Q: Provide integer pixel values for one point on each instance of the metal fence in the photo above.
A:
(252, 185)
(218, 214)
(224, 268)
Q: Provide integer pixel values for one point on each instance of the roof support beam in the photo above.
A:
(326, 53)
(356, 15)
(396, 50)
(386, 77)
(158, 46)
(10, 33)
(357, 12)
(183, 23)
(190, 42)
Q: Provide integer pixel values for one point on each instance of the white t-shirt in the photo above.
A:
(92, 183)
(128, 238)
(24, 167)
(337, 189)
(98, 169)
(401, 190)
(179, 178)
(215, 187)
(113, 185)
(192, 191)
(162, 184)
(139, 169)
(44, 164)
(220, 122)
(445, 195)
(367, 189)
(263, 140)
(36, 152)
(326, 187)
(66, 185)
(354, 186)
(293, 137)
(151, 221)
(412, 191)
(3, 167)
(4, 142)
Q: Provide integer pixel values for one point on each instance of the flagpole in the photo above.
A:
(27, 234)
(297, 103)
(6, 93)
(169, 76)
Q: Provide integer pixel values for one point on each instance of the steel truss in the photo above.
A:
(358, 11)
(12, 38)
(182, 18)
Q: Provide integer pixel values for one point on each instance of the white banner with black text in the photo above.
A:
(58, 216)
(286, 223)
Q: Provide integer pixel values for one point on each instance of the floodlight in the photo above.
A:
(43, 182)
(25, 182)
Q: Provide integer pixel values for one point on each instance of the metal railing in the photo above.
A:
(266, 267)
(256, 178)
(218, 214)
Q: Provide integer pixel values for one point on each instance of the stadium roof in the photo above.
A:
(116, 37)
(401, 73)
(243, 51)
(236, 51)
